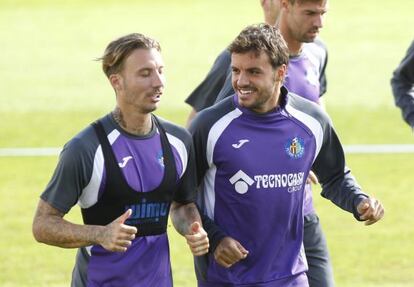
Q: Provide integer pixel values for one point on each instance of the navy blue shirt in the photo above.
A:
(403, 86)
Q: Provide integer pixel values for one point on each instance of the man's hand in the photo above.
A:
(117, 236)
(271, 10)
(370, 210)
(197, 239)
(229, 251)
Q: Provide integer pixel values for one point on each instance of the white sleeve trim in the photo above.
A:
(181, 149)
(209, 193)
(216, 131)
(311, 123)
(209, 179)
(90, 193)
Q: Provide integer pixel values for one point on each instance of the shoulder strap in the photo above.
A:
(111, 163)
(170, 173)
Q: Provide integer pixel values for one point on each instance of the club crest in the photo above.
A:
(295, 148)
(160, 158)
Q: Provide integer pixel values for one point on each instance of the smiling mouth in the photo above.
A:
(245, 92)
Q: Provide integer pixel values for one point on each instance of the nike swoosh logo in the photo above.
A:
(240, 143)
(125, 160)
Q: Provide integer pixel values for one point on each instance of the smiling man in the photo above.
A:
(127, 171)
(254, 152)
(300, 22)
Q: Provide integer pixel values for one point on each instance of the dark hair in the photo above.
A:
(262, 38)
(118, 50)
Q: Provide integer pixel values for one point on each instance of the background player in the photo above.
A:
(403, 86)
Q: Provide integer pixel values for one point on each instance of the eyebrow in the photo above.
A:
(254, 68)
(144, 69)
(317, 11)
(147, 68)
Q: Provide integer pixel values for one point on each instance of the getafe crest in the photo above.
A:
(295, 148)
(160, 158)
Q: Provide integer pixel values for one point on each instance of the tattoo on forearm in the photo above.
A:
(183, 216)
(49, 227)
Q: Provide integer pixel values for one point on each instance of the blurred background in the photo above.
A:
(51, 87)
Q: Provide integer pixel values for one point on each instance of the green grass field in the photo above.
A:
(51, 88)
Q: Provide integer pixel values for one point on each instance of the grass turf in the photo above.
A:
(52, 87)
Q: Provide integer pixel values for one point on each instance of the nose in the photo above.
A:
(319, 20)
(158, 80)
(242, 80)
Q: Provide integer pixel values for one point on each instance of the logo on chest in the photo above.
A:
(241, 182)
(146, 212)
(295, 148)
(160, 158)
(240, 143)
(124, 161)
(291, 181)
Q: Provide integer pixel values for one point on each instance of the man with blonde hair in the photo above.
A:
(127, 171)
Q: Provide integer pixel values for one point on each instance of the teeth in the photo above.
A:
(245, 92)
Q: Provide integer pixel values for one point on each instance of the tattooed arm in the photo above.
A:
(51, 228)
(186, 220)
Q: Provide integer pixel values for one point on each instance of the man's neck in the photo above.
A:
(133, 122)
(273, 103)
(294, 46)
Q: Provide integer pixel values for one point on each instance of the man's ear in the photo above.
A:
(284, 4)
(116, 81)
(281, 72)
